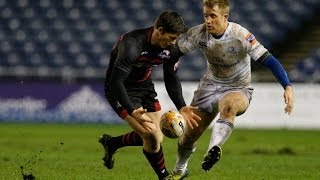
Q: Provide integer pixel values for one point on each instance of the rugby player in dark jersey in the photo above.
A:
(130, 91)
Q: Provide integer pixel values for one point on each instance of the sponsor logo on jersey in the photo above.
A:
(165, 54)
(203, 44)
(143, 53)
(219, 62)
(232, 49)
(250, 37)
(118, 105)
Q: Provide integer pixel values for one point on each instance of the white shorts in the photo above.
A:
(208, 94)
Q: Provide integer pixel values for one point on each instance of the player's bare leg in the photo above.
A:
(187, 144)
(230, 105)
(151, 138)
(152, 147)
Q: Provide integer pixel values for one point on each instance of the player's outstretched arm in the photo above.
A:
(280, 74)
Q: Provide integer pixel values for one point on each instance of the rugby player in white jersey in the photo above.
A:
(226, 86)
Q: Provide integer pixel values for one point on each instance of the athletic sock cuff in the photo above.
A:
(225, 122)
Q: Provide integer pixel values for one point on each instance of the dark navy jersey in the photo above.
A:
(134, 54)
(131, 61)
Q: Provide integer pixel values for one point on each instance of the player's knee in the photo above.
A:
(229, 110)
(152, 136)
(147, 134)
(151, 143)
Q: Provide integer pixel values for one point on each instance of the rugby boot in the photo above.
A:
(180, 176)
(211, 158)
(109, 151)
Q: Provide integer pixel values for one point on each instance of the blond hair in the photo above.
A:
(224, 5)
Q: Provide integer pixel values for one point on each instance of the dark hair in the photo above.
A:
(171, 22)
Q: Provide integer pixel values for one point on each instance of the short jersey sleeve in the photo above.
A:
(189, 40)
(253, 46)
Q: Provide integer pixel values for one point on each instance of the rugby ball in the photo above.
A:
(172, 124)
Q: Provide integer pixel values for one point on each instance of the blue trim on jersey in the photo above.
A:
(278, 71)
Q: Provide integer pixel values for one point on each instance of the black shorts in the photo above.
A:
(143, 96)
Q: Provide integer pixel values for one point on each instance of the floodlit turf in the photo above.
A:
(71, 152)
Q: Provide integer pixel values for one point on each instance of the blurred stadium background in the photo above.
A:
(53, 54)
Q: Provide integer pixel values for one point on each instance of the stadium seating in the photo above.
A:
(73, 38)
(308, 69)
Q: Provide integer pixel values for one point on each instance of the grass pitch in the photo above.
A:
(71, 152)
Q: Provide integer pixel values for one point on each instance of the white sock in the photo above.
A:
(183, 159)
(222, 129)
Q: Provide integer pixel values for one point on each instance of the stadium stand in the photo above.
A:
(308, 69)
(71, 39)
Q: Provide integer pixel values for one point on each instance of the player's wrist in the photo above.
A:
(130, 111)
(181, 107)
(288, 87)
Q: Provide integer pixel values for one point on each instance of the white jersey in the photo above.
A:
(228, 58)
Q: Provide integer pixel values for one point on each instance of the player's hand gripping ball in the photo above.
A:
(172, 124)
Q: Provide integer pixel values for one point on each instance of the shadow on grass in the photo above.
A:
(281, 151)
